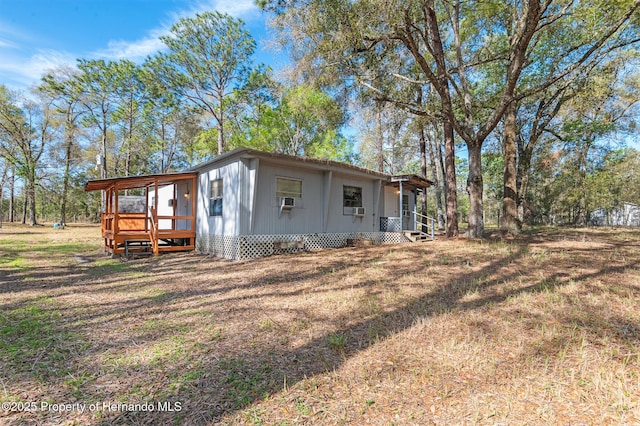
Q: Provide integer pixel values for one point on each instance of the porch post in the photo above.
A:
(116, 218)
(415, 210)
(194, 197)
(400, 205)
(155, 220)
(155, 188)
(146, 208)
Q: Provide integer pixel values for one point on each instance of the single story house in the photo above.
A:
(628, 214)
(247, 203)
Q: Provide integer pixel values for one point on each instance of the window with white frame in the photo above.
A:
(286, 187)
(215, 197)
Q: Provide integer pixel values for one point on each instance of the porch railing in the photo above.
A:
(420, 221)
(417, 222)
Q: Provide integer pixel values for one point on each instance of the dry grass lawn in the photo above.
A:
(540, 329)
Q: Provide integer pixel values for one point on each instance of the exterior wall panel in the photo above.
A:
(252, 209)
(341, 222)
(305, 217)
(166, 193)
(228, 223)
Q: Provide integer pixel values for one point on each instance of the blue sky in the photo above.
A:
(37, 35)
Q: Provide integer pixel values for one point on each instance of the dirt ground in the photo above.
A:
(543, 328)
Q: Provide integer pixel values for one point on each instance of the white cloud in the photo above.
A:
(244, 9)
(9, 34)
(21, 71)
(45, 60)
(140, 49)
(136, 50)
(24, 71)
(21, 66)
(237, 8)
(7, 43)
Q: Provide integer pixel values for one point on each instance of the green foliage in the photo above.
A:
(246, 383)
(297, 121)
(337, 341)
(493, 166)
(209, 55)
(32, 343)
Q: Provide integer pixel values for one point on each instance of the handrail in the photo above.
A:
(429, 219)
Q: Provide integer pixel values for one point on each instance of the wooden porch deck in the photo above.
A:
(121, 241)
(147, 231)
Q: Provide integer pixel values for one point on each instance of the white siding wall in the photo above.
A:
(247, 169)
(391, 205)
(340, 222)
(228, 223)
(391, 201)
(183, 207)
(308, 215)
(305, 217)
(166, 194)
(408, 218)
(251, 207)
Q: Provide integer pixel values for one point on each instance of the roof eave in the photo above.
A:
(133, 182)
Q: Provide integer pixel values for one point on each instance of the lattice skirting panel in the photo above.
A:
(251, 246)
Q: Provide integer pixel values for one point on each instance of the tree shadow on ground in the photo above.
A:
(223, 379)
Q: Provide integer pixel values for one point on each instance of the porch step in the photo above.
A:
(138, 245)
(416, 236)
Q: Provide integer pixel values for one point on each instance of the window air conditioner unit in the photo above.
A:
(358, 211)
(288, 203)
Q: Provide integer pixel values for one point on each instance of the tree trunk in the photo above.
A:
(445, 98)
(450, 178)
(127, 161)
(103, 170)
(580, 217)
(509, 221)
(65, 181)
(127, 164)
(12, 195)
(32, 203)
(522, 179)
(24, 208)
(423, 172)
(163, 141)
(2, 195)
(474, 189)
(436, 171)
(220, 120)
(380, 138)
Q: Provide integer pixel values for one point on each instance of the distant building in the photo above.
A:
(626, 215)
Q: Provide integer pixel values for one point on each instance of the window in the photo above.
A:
(215, 198)
(288, 188)
(405, 202)
(351, 196)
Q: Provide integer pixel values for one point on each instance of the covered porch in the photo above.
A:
(404, 216)
(160, 218)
